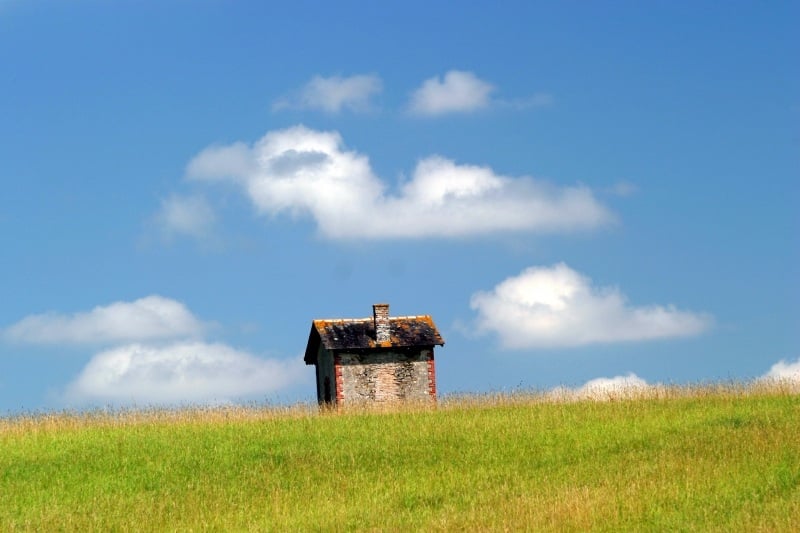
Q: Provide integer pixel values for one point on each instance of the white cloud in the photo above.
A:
(457, 92)
(334, 94)
(186, 216)
(228, 161)
(558, 307)
(623, 189)
(306, 172)
(150, 318)
(184, 372)
(618, 386)
(784, 372)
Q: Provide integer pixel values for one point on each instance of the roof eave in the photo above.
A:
(312, 347)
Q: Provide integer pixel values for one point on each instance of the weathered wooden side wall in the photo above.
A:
(386, 376)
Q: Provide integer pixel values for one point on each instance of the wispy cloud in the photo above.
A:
(151, 318)
(622, 189)
(306, 172)
(334, 94)
(461, 91)
(457, 92)
(558, 307)
(180, 373)
(531, 102)
(185, 216)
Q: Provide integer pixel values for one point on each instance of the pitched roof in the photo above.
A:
(359, 333)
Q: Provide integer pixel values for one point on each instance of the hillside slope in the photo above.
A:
(714, 459)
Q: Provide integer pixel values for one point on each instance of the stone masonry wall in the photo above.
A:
(386, 376)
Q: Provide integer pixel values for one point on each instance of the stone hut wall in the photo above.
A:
(385, 376)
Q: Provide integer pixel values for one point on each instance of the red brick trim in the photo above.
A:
(337, 373)
(431, 376)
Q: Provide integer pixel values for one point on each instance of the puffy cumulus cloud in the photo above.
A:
(306, 172)
(334, 94)
(558, 307)
(458, 92)
(783, 372)
(180, 373)
(151, 318)
(601, 389)
(186, 216)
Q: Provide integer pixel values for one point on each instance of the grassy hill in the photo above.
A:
(715, 458)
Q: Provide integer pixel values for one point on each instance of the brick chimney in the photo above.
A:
(380, 314)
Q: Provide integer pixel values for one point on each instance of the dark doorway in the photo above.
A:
(327, 387)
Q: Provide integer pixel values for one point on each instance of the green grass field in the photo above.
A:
(710, 459)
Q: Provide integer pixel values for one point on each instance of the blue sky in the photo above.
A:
(572, 190)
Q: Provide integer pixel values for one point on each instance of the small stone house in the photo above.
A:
(375, 359)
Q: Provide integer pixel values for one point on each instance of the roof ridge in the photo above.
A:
(369, 318)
